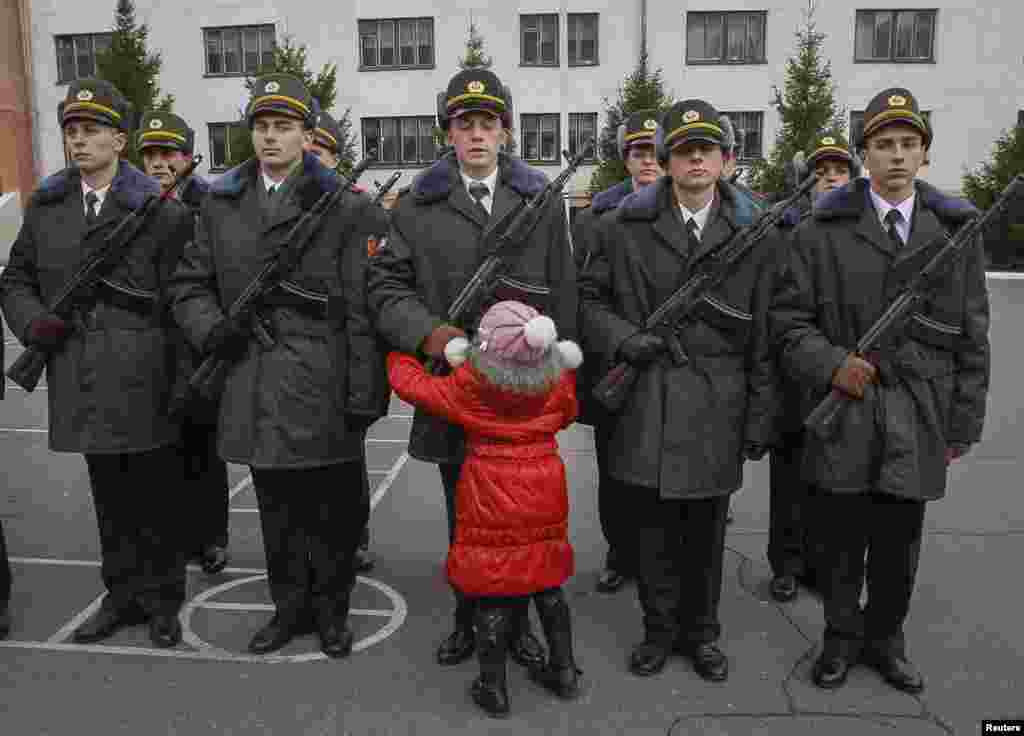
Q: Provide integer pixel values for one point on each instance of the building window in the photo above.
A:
(220, 145)
(539, 40)
(725, 38)
(396, 43)
(76, 55)
(238, 50)
(406, 140)
(583, 39)
(749, 127)
(1020, 118)
(895, 35)
(582, 128)
(540, 138)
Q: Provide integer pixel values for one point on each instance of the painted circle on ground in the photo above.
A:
(395, 618)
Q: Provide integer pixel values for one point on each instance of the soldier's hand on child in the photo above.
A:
(433, 344)
(853, 376)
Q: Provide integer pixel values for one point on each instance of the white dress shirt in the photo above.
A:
(700, 217)
(101, 194)
(906, 209)
(491, 181)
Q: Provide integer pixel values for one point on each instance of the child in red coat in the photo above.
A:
(512, 388)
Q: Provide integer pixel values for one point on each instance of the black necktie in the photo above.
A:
(271, 190)
(691, 228)
(479, 190)
(90, 208)
(892, 218)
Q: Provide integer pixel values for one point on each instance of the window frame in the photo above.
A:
(539, 18)
(422, 122)
(525, 121)
(734, 118)
(74, 38)
(418, 24)
(575, 139)
(893, 36)
(570, 17)
(723, 59)
(262, 58)
(227, 126)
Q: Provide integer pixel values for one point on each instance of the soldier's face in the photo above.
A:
(476, 137)
(831, 174)
(163, 164)
(93, 146)
(695, 166)
(894, 155)
(279, 141)
(326, 156)
(642, 164)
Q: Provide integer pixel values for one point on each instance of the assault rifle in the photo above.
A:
(823, 419)
(612, 390)
(79, 291)
(498, 239)
(383, 189)
(208, 380)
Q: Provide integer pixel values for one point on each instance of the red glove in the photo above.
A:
(48, 332)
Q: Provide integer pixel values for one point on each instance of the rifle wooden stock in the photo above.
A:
(28, 368)
(208, 380)
(823, 419)
(616, 385)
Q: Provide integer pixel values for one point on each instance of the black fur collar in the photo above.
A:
(130, 187)
(850, 201)
(436, 183)
(233, 183)
(647, 203)
(194, 190)
(611, 197)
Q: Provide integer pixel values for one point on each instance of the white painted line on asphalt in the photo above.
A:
(239, 487)
(97, 563)
(24, 430)
(1005, 275)
(388, 442)
(389, 479)
(67, 629)
(270, 608)
(213, 655)
(249, 510)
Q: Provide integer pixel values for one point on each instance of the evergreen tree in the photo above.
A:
(806, 106)
(643, 89)
(1004, 241)
(290, 58)
(129, 66)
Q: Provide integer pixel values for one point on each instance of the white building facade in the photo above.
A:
(561, 58)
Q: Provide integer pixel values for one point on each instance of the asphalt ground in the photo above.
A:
(963, 631)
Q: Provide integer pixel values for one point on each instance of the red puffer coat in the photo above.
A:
(512, 503)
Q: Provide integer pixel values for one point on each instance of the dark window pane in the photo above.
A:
(571, 42)
(83, 49)
(549, 138)
(883, 35)
(905, 34)
(1020, 117)
(101, 42)
(588, 40)
(531, 138)
(232, 51)
(389, 140)
(65, 59)
(369, 51)
(267, 44)
(410, 133)
(695, 36)
(251, 40)
(924, 35)
(428, 149)
(387, 42)
(218, 145)
(407, 42)
(371, 136)
(549, 39)
(755, 37)
(214, 53)
(713, 38)
(531, 41)
(736, 36)
(865, 35)
(426, 39)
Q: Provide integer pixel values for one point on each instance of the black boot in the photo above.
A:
(560, 674)
(489, 690)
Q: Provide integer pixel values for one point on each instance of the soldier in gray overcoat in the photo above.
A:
(679, 442)
(432, 251)
(915, 405)
(294, 413)
(111, 367)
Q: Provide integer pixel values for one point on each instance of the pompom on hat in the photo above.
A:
(515, 335)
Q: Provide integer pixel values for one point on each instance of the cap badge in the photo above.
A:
(691, 116)
(476, 87)
(156, 123)
(650, 124)
(828, 141)
(897, 101)
(272, 87)
(85, 95)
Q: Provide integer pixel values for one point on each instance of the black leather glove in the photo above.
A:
(641, 348)
(227, 340)
(47, 332)
(754, 450)
(359, 423)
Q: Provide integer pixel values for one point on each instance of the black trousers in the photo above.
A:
(311, 520)
(206, 485)
(887, 531)
(791, 548)
(135, 496)
(680, 544)
(5, 571)
(364, 540)
(614, 507)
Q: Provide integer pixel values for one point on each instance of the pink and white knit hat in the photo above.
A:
(513, 332)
